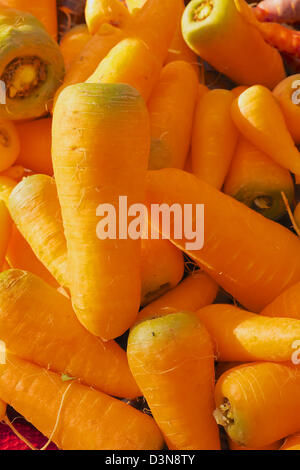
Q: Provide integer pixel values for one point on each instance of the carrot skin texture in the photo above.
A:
(39, 325)
(252, 396)
(223, 38)
(257, 181)
(131, 62)
(224, 256)
(19, 255)
(286, 305)
(171, 109)
(172, 360)
(288, 98)
(34, 207)
(35, 140)
(108, 154)
(242, 336)
(195, 291)
(265, 130)
(5, 233)
(44, 10)
(214, 137)
(116, 425)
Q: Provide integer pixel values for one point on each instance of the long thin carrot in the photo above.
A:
(44, 10)
(74, 416)
(73, 42)
(172, 361)
(35, 143)
(257, 181)
(242, 336)
(5, 232)
(287, 95)
(214, 137)
(39, 325)
(196, 291)
(162, 268)
(131, 62)
(106, 156)
(34, 207)
(99, 12)
(291, 443)
(217, 31)
(259, 118)
(171, 109)
(19, 255)
(259, 404)
(243, 251)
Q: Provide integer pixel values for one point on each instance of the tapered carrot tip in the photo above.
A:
(259, 118)
(172, 360)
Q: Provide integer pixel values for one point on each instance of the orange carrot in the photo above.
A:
(259, 404)
(114, 140)
(172, 361)
(20, 256)
(258, 181)
(9, 144)
(132, 62)
(6, 186)
(35, 139)
(196, 291)
(73, 42)
(242, 336)
(2, 410)
(218, 32)
(73, 416)
(259, 118)
(162, 268)
(5, 232)
(171, 109)
(287, 95)
(243, 251)
(237, 91)
(48, 334)
(286, 304)
(15, 172)
(99, 12)
(34, 207)
(214, 137)
(291, 443)
(44, 10)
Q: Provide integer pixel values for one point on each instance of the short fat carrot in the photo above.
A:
(258, 181)
(171, 109)
(291, 443)
(243, 251)
(217, 31)
(47, 333)
(131, 62)
(242, 336)
(287, 95)
(62, 411)
(99, 12)
(196, 291)
(214, 137)
(162, 268)
(35, 143)
(258, 117)
(9, 144)
(34, 208)
(109, 153)
(73, 42)
(19, 255)
(259, 404)
(171, 359)
(45, 11)
(5, 233)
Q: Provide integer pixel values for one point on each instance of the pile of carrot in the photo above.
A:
(116, 101)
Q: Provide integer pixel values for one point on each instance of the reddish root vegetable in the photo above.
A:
(279, 11)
